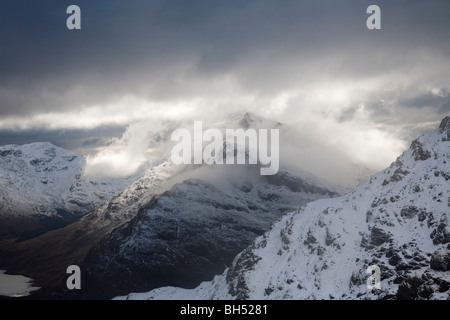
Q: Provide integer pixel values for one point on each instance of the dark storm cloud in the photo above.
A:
(440, 101)
(309, 62)
(161, 50)
(445, 107)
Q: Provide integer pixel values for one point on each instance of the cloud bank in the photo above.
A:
(311, 64)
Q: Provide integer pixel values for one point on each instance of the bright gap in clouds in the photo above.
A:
(113, 162)
(124, 155)
(126, 110)
(315, 110)
(319, 142)
(317, 115)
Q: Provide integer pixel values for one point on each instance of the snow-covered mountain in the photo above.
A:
(176, 225)
(42, 257)
(397, 220)
(42, 187)
(193, 230)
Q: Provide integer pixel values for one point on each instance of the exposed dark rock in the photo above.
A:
(440, 260)
(329, 239)
(357, 279)
(394, 259)
(320, 250)
(419, 258)
(284, 237)
(390, 252)
(378, 236)
(310, 239)
(235, 275)
(445, 126)
(398, 279)
(321, 223)
(409, 212)
(397, 176)
(419, 152)
(402, 267)
(295, 184)
(425, 291)
(369, 215)
(394, 199)
(443, 285)
(268, 291)
(422, 216)
(409, 288)
(440, 235)
(364, 241)
(445, 175)
(421, 287)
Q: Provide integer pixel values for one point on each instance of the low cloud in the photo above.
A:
(313, 65)
(124, 155)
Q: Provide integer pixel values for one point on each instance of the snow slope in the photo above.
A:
(397, 220)
(36, 175)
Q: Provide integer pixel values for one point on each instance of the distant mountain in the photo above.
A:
(397, 220)
(42, 187)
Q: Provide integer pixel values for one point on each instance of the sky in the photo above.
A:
(136, 65)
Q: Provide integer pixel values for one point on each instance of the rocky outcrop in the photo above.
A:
(440, 260)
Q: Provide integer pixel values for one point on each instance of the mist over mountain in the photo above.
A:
(175, 225)
(114, 126)
(398, 220)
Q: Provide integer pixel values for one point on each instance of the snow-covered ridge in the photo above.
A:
(36, 175)
(29, 167)
(397, 220)
(40, 180)
(193, 230)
